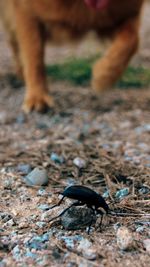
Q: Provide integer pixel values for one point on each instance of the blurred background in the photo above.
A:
(78, 58)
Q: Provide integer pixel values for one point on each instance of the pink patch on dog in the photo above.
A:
(97, 4)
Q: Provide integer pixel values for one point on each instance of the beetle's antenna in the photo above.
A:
(58, 204)
(73, 204)
(94, 212)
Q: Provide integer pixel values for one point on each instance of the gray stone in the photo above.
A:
(124, 238)
(37, 177)
(122, 193)
(44, 207)
(41, 224)
(80, 163)
(146, 244)
(24, 168)
(56, 158)
(77, 218)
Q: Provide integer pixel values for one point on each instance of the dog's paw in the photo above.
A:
(103, 77)
(99, 85)
(38, 102)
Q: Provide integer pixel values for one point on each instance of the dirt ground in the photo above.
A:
(110, 133)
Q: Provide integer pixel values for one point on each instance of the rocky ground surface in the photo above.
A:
(102, 143)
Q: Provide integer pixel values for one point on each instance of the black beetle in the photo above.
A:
(84, 196)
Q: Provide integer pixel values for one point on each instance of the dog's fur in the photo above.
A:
(31, 22)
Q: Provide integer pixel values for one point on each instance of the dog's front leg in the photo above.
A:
(108, 70)
(31, 45)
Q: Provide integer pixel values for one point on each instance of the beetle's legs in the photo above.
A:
(100, 225)
(102, 214)
(78, 203)
(61, 200)
(93, 211)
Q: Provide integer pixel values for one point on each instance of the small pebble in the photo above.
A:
(21, 118)
(45, 216)
(106, 194)
(5, 217)
(16, 253)
(7, 185)
(144, 190)
(122, 193)
(24, 198)
(142, 129)
(71, 181)
(37, 177)
(31, 254)
(42, 192)
(140, 229)
(23, 224)
(147, 165)
(146, 244)
(124, 238)
(80, 163)
(57, 159)
(86, 247)
(117, 226)
(38, 242)
(41, 224)
(71, 241)
(44, 207)
(42, 126)
(24, 168)
(71, 264)
(10, 223)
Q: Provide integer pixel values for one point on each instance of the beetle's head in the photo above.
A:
(106, 207)
(103, 206)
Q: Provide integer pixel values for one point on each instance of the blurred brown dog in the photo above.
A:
(30, 23)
